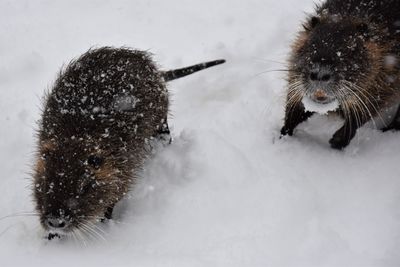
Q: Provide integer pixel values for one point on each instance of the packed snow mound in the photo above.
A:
(227, 191)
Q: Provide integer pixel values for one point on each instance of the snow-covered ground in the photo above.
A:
(227, 192)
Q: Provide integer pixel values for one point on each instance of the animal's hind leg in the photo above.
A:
(395, 124)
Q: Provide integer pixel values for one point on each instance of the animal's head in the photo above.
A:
(334, 59)
(76, 180)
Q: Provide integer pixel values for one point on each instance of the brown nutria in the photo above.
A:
(97, 121)
(349, 53)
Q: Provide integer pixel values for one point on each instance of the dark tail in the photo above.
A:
(179, 73)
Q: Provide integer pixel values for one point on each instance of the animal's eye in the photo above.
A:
(363, 29)
(95, 161)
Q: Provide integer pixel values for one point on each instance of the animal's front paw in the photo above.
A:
(338, 142)
(108, 213)
(285, 131)
(394, 126)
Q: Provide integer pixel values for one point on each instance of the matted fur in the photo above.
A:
(358, 42)
(95, 131)
(96, 120)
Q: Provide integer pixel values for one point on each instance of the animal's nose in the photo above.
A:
(320, 95)
(56, 223)
(320, 76)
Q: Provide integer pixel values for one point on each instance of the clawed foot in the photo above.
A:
(394, 126)
(107, 214)
(285, 131)
(338, 142)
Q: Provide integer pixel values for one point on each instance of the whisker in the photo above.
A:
(294, 95)
(93, 231)
(271, 61)
(275, 70)
(74, 236)
(368, 98)
(344, 105)
(6, 230)
(85, 230)
(19, 214)
(364, 104)
(80, 235)
(98, 228)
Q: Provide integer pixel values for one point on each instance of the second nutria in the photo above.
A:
(348, 53)
(93, 137)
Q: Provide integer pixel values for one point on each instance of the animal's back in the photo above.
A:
(381, 12)
(104, 90)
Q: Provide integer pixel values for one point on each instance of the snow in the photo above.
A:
(322, 109)
(390, 61)
(227, 191)
(125, 103)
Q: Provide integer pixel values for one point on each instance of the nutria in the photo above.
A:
(97, 122)
(348, 53)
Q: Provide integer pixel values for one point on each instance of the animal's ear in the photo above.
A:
(311, 23)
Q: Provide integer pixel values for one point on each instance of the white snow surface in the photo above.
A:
(227, 191)
(322, 109)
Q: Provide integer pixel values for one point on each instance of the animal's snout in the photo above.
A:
(56, 223)
(320, 96)
(320, 76)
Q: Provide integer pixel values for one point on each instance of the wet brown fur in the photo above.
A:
(371, 91)
(96, 130)
(83, 123)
